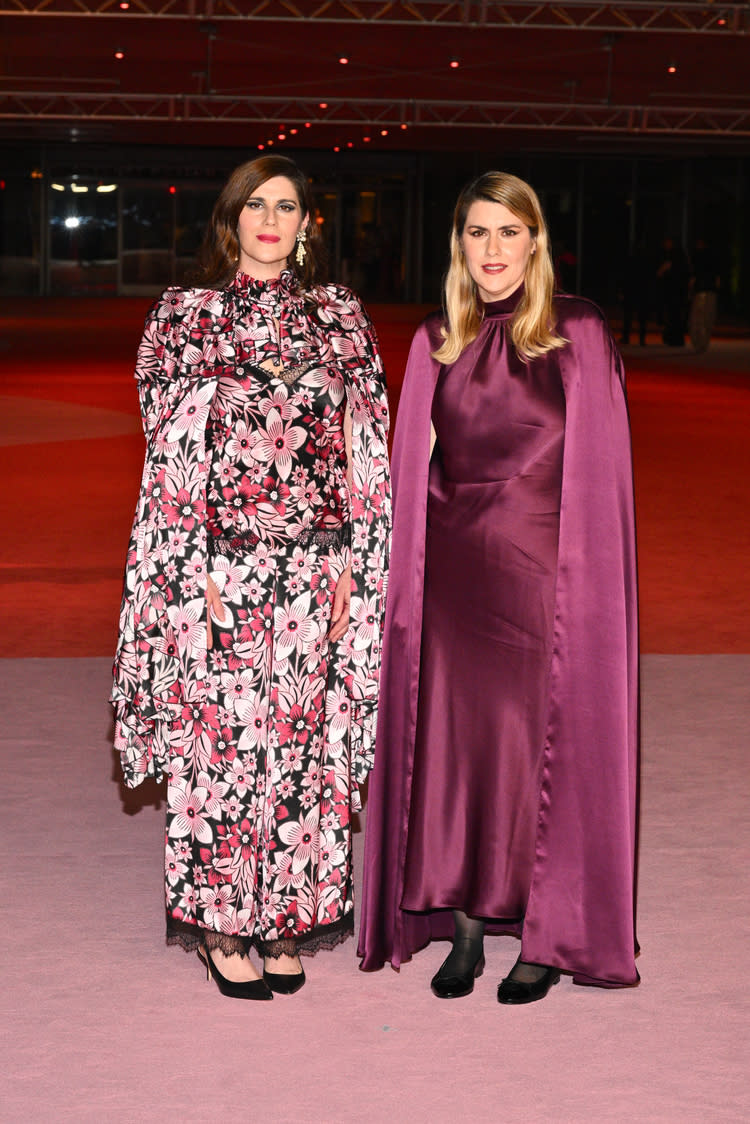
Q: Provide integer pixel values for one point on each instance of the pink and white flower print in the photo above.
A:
(262, 736)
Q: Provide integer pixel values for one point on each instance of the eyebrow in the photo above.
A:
(505, 226)
(262, 199)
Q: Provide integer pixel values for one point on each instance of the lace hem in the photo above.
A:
(192, 937)
(337, 537)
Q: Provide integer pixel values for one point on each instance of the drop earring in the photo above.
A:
(301, 251)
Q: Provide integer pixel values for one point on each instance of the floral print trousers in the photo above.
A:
(258, 832)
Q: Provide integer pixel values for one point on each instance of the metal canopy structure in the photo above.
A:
(216, 110)
(391, 74)
(630, 15)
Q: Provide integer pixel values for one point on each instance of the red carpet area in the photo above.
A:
(71, 451)
(103, 1024)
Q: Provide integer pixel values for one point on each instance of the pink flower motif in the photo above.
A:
(294, 626)
(187, 814)
(216, 906)
(304, 836)
(240, 442)
(183, 510)
(277, 442)
(192, 413)
(254, 714)
(280, 401)
(363, 614)
(338, 709)
(188, 622)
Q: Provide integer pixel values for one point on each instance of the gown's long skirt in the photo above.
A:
(258, 817)
(491, 557)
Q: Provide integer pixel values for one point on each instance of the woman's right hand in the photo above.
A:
(213, 605)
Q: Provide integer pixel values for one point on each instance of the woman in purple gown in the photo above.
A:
(504, 792)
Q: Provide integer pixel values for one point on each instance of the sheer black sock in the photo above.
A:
(521, 972)
(468, 938)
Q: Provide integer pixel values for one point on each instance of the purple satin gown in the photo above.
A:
(491, 558)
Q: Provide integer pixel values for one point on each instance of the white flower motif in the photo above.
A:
(215, 901)
(228, 576)
(364, 617)
(188, 818)
(338, 710)
(239, 444)
(277, 443)
(188, 622)
(254, 714)
(192, 413)
(295, 628)
(304, 836)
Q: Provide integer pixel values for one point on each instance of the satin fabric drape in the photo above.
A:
(580, 910)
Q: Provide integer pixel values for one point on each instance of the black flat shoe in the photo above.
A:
(284, 984)
(512, 991)
(235, 989)
(457, 984)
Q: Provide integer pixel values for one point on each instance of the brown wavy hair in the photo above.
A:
(532, 328)
(219, 254)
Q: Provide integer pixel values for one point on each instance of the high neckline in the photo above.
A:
(273, 291)
(503, 307)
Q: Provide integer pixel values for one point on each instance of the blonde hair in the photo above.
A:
(532, 328)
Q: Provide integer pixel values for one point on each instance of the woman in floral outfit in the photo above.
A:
(247, 665)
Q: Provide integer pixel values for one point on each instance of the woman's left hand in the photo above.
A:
(341, 601)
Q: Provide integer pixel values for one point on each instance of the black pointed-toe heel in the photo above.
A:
(515, 992)
(284, 984)
(456, 984)
(235, 989)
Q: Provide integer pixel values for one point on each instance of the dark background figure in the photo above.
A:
(705, 289)
(566, 268)
(636, 292)
(673, 281)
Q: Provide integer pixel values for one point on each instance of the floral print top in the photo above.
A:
(196, 345)
(278, 463)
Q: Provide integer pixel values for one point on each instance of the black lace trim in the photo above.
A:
(193, 937)
(288, 375)
(337, 537)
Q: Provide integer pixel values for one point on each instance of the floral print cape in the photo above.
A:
(161, 661)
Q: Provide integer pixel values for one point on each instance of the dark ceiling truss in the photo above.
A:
(710, 17)
(374, 114)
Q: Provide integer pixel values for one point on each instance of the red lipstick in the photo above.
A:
(268, 238)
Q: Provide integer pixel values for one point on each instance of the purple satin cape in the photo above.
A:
(581, 906)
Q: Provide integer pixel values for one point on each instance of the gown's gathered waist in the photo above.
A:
(334, 538)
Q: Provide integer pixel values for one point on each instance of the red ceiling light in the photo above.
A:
(350, 144)
(384, 132)
(343, 60)
(454, 64)
(119, 55)
(124, 5)
(337, 148)
(282, 136)
(172, 189)
(671, 69)
(721, 21)
(308, 125)
(293, 132)
(323, 105)
(261, 147)
(404, 125)
(367, 139)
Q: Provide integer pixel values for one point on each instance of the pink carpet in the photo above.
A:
(103, 1023)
